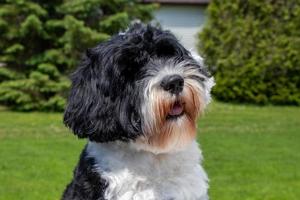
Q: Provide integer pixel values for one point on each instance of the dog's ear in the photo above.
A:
(98, 107)
(90, 112)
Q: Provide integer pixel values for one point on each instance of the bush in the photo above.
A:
(253, 48)
(41, 41)
(44, 89)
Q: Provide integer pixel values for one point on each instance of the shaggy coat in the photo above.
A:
(136, 98)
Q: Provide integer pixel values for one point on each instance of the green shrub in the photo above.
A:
(42, 41)
(6, 74)
(253, 49)
(44, 89)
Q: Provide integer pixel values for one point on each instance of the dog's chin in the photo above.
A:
(175, 134)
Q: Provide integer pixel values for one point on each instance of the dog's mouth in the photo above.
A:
(176, 111)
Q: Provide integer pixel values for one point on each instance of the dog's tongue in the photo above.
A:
(176, 110)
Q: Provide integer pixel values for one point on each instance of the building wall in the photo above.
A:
(185, 21)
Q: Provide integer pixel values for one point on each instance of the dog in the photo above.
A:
(136, 98)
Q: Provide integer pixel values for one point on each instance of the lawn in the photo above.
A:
(250, 153)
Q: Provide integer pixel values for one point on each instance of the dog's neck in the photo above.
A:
(176, 175)
(127, 154)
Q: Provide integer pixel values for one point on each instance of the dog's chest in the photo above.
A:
(141, 175)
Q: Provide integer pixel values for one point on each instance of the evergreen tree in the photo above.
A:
(41, 41)
(253, 47)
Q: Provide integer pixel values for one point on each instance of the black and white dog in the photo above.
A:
(136, 98)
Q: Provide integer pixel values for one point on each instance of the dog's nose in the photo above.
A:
(173, 84)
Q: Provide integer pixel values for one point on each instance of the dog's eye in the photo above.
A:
(197, 78)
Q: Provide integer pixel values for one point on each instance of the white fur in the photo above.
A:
(141, 175)
(208, 85)
(209, 82)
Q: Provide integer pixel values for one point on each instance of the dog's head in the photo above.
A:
(142, 87)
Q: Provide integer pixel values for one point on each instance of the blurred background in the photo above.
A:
(250, 134)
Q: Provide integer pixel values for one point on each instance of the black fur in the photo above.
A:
(106, 95)
(87, 184)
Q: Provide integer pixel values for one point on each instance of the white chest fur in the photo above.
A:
(141, 175)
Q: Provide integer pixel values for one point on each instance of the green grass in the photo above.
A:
(250, 153)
